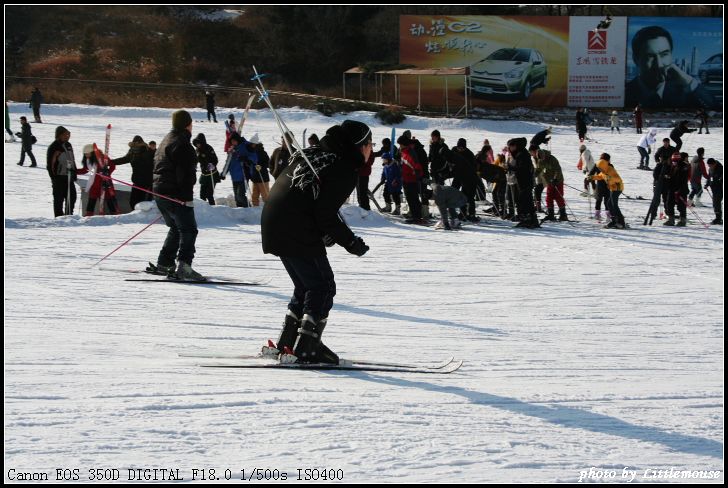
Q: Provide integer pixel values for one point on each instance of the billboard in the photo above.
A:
(660, 62)
(521, 58)
(596, 62)
(674, 62)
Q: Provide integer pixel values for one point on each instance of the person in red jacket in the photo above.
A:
(98, 186)
(411, 176)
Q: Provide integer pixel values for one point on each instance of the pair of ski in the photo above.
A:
(153, 270)
(447, 366)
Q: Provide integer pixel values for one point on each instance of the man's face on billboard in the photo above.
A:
(654, 60)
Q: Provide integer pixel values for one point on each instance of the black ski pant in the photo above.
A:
(36, 113)
(678, 143)
(111, 205)
(314, 286)
(211, 113)
(138, 195)
(392, 197)
(499, 198)
(207, 189)
(602, 195)
(27, 149)
(717, 200)
(525, 202)
(676, 197)
(511, 199)
(240, 192)
(614, 206)
(703, 123)
(62, 205)
(362, 192)
(469, 192)
(182, 234)
(537, 192)
(655, 204)
(412, 194)
(696, 190)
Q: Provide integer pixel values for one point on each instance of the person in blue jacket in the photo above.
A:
(239, 156)
(392, 178)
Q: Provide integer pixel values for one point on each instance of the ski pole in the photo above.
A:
(140, 188)
(129, 240)
(567, 206)
(691, 209)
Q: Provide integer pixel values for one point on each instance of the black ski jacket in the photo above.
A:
(293, 222)
(175, 164)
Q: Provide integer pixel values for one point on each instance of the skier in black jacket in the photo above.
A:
(210, 104)
(524, 176)
(465, 177)
(300, 219)
(209, 176)
(26, 139)
(175, 164)
(679, 130)
(141, 158)
(676, 177)
(439, 168)
(715, 183)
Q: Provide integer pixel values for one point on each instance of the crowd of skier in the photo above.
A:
(514, 176)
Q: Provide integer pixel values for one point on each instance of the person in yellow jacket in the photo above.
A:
(606, 172)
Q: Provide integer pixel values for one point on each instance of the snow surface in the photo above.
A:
(583, 347)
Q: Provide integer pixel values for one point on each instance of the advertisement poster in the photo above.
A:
(514, 61)
(674, 62)
(596, 62)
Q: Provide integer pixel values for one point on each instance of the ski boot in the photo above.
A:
(159, 269)
(718, 220)
(387, 208)
(396, 210)
(287, 338)
(186, 273)
(682, 222)
(562, 215)
(670, 221)
(598, 215)
(550, 217)
(308, 347)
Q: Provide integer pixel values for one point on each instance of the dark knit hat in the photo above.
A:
(711, 161)
(136, 141)
(435, 133)
(60, 130)
(404, 140)
(462, 143)
(181, 119)
(236, 137)
(407, 134)
(358, 133)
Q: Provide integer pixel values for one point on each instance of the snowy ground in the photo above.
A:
(583, 347)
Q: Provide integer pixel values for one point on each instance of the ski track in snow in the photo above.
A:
(583, 347)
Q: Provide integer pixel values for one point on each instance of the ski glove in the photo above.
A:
(357, 247)
(190, 203)
(328, 240)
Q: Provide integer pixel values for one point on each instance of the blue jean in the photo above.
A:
(180, 241)
(644, 157)
(314, 285)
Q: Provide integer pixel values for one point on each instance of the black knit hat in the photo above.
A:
(137, 141)
(462, 142)
(181, 119)
(711, 161)
(60, 130)
(358, 133)
(435, 133)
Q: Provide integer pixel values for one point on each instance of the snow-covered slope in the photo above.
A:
(583, 347)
